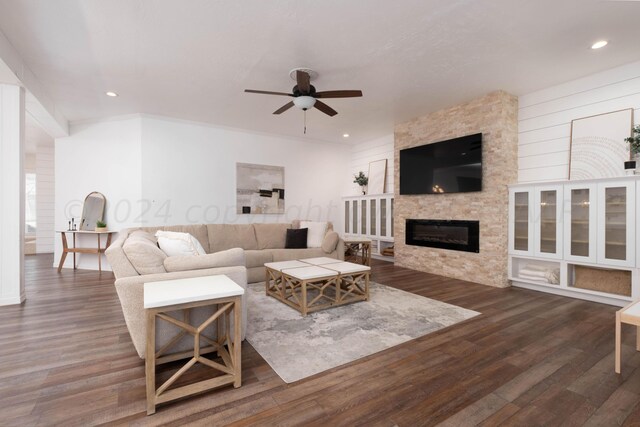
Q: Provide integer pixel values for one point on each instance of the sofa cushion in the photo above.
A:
(296, 238)
(258, 258)
(291, 254)
(227, 236)
(228, 258)
(271, 236)
(145, 257)
(316, 233)
(199, 231)
(296, 224)
(144, 235)
(330, 242)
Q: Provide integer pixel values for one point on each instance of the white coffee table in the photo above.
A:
(313, 284)
(161, 298)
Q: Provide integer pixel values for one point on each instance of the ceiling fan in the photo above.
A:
(305, 96)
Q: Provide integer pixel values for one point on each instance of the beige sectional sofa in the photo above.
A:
(236, 250)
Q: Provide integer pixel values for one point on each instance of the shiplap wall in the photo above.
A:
(370, 151)
(45, 196)
(544, 119)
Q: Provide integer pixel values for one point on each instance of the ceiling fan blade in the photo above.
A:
(325, 108)
(304, 82)
(338, 94)
(266, 92)
(284, 108)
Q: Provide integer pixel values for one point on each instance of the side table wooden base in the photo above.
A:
(631, 316)
(357, 250)
(226, 348)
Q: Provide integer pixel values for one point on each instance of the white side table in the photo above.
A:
(163, 297)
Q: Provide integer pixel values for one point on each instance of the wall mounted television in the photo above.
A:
(452, 166)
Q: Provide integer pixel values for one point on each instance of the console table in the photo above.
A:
(75, 250)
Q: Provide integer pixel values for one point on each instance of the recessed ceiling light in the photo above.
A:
(112, 94)
(345, 135)
(599, 44)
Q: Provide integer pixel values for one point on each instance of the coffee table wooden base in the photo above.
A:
(227, 349)
(310, 295)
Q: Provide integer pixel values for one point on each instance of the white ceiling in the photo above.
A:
(191, 59)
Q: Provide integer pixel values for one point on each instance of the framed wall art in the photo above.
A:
(598, 149)
(259, 189)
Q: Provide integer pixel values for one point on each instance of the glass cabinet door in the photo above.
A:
(580, 220)
(616, 231)
(383, 217)
(548, 223)
(520, 230)
(346, 216)
(373, 230)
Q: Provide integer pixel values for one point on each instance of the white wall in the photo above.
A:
(104, 157)
(45, 196)
(369, 151)
(163, 171)
(544, 122)
(189, 169)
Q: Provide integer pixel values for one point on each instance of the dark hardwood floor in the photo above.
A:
(529, 359)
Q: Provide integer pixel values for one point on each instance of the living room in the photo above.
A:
(215, 149)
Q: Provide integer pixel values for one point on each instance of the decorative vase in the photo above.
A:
(635, 157)
(100, 229)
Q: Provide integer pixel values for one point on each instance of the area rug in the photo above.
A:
(297, 347)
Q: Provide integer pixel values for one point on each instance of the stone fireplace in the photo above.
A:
(496, 117)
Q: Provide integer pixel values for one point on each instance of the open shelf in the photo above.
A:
(535, 271)
(602, 280)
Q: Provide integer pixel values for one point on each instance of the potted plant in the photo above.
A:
(101, 226)
(362, 181)
(634, 147)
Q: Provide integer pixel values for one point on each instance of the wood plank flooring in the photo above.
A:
(530, 359)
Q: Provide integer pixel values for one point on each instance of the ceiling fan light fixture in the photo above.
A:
(304, 102)
(599, 44)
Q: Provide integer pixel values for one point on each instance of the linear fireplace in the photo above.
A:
(444, 234)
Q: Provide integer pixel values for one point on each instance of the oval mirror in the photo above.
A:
(92, 211)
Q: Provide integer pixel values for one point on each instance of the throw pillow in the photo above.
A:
(330, 242)
(296, 238)
(173, 243)
(316, 233)
(145, 256)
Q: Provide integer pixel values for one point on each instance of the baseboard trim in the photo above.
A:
(17, 300)
(568, 293)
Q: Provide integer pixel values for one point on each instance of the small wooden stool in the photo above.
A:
(631, 316)
(161, 298)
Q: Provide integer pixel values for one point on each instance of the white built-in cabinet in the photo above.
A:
(370, 216)
(575, 226)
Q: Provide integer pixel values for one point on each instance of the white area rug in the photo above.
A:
(297, 347)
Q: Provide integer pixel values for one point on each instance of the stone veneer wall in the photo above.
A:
(496, 116)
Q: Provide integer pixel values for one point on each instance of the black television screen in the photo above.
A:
(453, 166)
